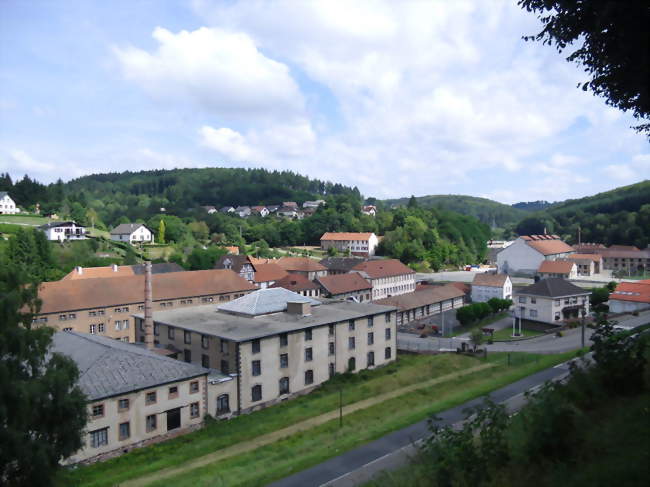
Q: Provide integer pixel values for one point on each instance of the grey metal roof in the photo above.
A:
(109, 367)
(3, 194)
(127, 228)
(240, 328)
(554, 287)
(265, 301)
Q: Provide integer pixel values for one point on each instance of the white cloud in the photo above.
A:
(228, 142)
(221, 71)
(25, 162)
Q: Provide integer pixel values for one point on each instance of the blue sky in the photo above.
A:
(397, 98)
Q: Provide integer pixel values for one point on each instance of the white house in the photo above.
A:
(60, 231)
(388, 277)
(7, 205)
(132, 233)
(313, 204)
(243, 211)
(487, 286)
(262, 211)
(362, 244)
(370, 210)
(528, 252)
(565, 269)
(551, 300)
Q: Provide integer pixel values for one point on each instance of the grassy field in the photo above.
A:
(24, 219)
(506, 333)
(304, 449)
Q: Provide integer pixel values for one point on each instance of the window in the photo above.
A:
(352, 364)
(69, 328)
(255, 346)
(122, 404)
(371, 359)
(284, 339)
(140, 307)
(125, 430)
(152, 424)
(100, 328)
(194, 410)
(371, 338)
(207, 300)
(309, 354)
(63, 317)
(533, 313)
(170, 332)
(351, 325)
(189, 301)
(205, 341)
(388, 315)
(118, 310)
(223, 346)
(284, 385)
(331, 330)
(187, 337)
(332, 370)
(533, 300)
(309, 377)
(557, 302)
(92, 329)
(257, 367)
(387, 353)
(98, 411)
(387, 333)
(150, 398)
(99, 438)
(225, 367)
(256, 393)
(331, 348)
(522, 299)
(370, 321)
(223, 404)
(557, 315)
(187, 355)
(125, 324)
(156, 329)
(72, 316)
(92, 313)
(173, 392)
(205, 361)
(351, 343)
(284, 360)
(194, 386)
(308, 334)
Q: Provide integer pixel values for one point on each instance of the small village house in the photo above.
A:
(486, 286)
(7, 205)
(132, 233)
(360, 244)
(565, 269)
(553, 300)
(526, 254)
(65, 230)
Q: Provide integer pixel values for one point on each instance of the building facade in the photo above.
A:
(526, 254)
(346, 286)
(486, 286)
(388, 277)
(630, 296)
(426, 301)
(7, 205)
(60, 231)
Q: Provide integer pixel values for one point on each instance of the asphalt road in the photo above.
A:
(359, 465)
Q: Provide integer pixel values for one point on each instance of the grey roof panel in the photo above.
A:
(553, 288)
(265, 301)
(127, 228)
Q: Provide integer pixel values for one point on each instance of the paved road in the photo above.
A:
(359, 465)
(629, 321)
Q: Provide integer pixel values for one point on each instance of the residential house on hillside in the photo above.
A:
(61, 231)
(104, 306)
(369, 210)
(427, 301)
(563, 268)
(136, 396)
(551, 300)
(120, 271)
(267, 274)
(132, 233)
(298, 283)
(273, 208)
(260, 210)
(7, 205)
(243, 211)
(388, 277)
(527, 253)
(340, 265)
(209, 209)
(227, 209)
(630, 296)
(361, 244)
(240, 264)
(288, 211)
(290, 204)
(486, 286)
(278, 343)
(351, 286)
(302, 265)
(313, 204)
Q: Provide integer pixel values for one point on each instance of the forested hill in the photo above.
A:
(487, 211)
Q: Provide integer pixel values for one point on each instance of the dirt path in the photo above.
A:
(246, 446)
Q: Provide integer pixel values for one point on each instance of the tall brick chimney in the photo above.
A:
(148, 308)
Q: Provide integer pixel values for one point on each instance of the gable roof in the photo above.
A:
(121, 271)
(265, 301)
(556, 266)
(341, 264)
(128, 228)
(3, 194)
(489, 280)
(547, 244)
(76, 294)
(300, 264)
(268, 272)
(581, 257)
(110, 367)
(343, 283)
(295, 282)
(376, 269)
(59, 224)
(638, 292)
(422, 297)
(345, 236)
(554, 287)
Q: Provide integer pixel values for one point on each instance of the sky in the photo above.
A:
(394, 97)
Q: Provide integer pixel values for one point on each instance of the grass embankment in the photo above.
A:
(301, 450)
(24, 219)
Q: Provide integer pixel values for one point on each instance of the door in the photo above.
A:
(173, 419)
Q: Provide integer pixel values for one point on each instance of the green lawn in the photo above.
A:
(304, 449)
(26, 219)
(506, 333)
(485, 322)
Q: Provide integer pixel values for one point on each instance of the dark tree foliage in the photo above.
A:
(42, 411)
(613, 39)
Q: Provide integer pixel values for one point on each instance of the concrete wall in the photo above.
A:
(481, 294)
(616, 306)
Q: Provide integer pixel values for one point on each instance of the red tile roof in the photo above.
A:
(268, 272)
(376, 269)
(97, 272)
(489, 280)
(300, 264)
(345, 236)
(548, 246)
(295, 283)
(556, 266)
(594, 257)
(638, 292)
(343, 283)
(423, 297)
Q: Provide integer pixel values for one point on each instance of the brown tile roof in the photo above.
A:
(344, 283)
(623, 247)
(461, 286)
(638, 292)
(588, 247)
(255, 261)
(345, 236)
(295, 283)
(302, 264)
(423, 297)
(625, 254)
(233, 250)
(375, 269)
(268, 272)
(556, 266)
(69, 295)
(593, 257)
(97, 272)
(549, 246)
(490, 280)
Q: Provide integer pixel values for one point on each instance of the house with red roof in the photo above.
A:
(562, 268)
(528, 252)
(361, 244)
(388, 277)
(630, 296)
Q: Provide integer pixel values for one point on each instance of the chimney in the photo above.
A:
(148, 314)
(298, 308)
(114, 267)
(80, 270)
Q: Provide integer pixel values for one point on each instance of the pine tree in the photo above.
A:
(161, 231)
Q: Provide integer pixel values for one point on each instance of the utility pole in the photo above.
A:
(340, 406)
